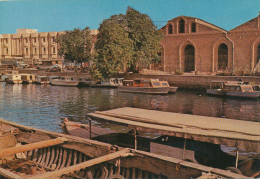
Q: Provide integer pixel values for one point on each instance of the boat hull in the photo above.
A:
(253, 95)
(64, 83)
(145, 90)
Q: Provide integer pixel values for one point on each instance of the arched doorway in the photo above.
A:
(222, 56)
(258, 54)
(189, 53)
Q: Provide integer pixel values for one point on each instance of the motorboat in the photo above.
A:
(65, 81)
(147, 86)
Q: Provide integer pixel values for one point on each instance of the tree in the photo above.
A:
(75, 46)
(145, 37)
(125, 42)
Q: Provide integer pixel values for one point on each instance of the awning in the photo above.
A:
(233, 133)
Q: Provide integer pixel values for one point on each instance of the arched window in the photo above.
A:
(181, 26)
(193, 27)
(222, 56)
(170, 29)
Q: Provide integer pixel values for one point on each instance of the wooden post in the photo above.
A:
(32, 146)
(184, 147)
(135, 139)
(89, 123)
(237, 158)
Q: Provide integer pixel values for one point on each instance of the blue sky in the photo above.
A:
(60, 15)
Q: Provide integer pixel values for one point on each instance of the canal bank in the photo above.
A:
(181, 81)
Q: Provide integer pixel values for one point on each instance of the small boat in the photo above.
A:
(233, 89)
(43, 80)
(13, 78)
(187, 137)
(26, 152)
(148, 86)
(110, 83)
(173, 89)
(28, 78)
(65, 81)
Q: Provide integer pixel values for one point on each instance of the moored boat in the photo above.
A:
(110, 83)
(187, 137)
(13, 78)
(233, 89)
(65, 81)
(28, 78)
(32, 153)
(148, 86)
(42, 80)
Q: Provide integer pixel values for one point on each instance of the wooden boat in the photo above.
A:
(65, 81)
(32, 153)
(148, 86)
(186, 137)
(110, 83)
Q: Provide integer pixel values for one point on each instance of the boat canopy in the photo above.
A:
(230, 132)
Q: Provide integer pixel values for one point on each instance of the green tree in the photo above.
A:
(75, 46)
(125, 42)
(113, 48)
(145, 37)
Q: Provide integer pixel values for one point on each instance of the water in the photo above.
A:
(45, 107)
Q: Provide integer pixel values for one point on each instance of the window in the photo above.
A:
(43, 39)
(53, 39)
(6, 41)
(26, 50)
(35, 50)
(35, 40)
(44, 50)
(181, 26)
(25, 40)
(193, 27)
(170, 29)
(6, 50)
(53, 50)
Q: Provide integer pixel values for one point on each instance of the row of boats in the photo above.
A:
(139, 85)
(188, 147)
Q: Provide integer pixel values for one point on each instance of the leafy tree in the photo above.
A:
(145, 37)
(113, 48)
(125, 42)
(75, 46)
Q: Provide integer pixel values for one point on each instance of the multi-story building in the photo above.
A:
(193, 45)
(33, 47)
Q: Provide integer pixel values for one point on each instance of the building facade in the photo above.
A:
(32, 47)
(192, 45)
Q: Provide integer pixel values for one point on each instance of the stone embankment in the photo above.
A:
(182, 81)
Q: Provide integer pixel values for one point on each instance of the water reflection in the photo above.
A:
(45, 106)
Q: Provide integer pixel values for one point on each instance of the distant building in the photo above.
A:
(193, 45)
(35, 48)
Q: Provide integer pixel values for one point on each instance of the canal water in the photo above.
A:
(45, 107)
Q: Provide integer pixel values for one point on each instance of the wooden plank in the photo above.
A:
(8, 174)
(32, 146)
(95, 161)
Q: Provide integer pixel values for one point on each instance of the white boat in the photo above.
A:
(84, 81)
(233, 89)
(13, 78)
(111, 83)
(65, 81)
(148, 86)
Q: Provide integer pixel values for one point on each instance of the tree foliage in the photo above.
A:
(75, 46)
(125, 42)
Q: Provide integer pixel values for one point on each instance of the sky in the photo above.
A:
(60, 15)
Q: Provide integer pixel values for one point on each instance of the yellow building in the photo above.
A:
(33, 47)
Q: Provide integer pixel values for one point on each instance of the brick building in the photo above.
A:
(193, 45)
